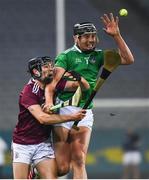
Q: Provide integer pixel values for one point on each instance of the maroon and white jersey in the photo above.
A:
(28, 130)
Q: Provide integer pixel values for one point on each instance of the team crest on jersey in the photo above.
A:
(78, 60)
(92, 59)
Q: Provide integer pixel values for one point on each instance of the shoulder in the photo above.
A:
(31, 88)
(99, 51)
(70, 50)
(31, 94)
(65, 54)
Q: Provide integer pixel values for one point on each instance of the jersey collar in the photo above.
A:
(77, 48)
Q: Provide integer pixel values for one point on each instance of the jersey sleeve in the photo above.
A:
(61, 85)
(61, 61)
(28, 97)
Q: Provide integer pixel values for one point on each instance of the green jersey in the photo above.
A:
(86, 64)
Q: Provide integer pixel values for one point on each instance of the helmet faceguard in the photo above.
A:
(37, 63)
(84, 28)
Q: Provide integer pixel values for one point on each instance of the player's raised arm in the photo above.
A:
(112, 29)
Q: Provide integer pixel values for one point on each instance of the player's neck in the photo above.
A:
(40, 84)
(84, 51)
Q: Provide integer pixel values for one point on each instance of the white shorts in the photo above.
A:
(32, 154)
(132, 158)
(87, 121)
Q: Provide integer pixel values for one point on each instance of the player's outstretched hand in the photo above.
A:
(111, 24)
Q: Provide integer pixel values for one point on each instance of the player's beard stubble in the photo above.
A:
(47, 80)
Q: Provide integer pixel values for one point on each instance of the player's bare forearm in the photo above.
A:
(47, 119)
(56, 118)
(84, 84)
(124, 51)
(49, 93)
(50, 88)
(112, 28)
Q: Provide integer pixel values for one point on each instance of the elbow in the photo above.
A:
(131, 60)
(45, 119)
(128, 61)
(126, 58)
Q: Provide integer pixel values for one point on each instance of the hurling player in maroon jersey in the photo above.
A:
(32, 134)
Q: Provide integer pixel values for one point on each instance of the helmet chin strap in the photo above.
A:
(36, 73)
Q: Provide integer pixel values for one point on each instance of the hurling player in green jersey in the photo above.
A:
(70, 145)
